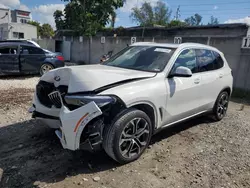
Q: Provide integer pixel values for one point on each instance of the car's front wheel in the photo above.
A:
(128, 137)
(221, 106)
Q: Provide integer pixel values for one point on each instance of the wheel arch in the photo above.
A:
(228, 90)
(149, 109)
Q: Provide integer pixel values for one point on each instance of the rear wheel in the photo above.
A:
(128, 137)
(221, 106)
(46, 68)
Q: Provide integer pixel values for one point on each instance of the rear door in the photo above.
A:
(210, 64)
(9, 59)
(31, 58)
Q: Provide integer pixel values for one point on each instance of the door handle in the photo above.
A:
(197, 80)
(220, 75)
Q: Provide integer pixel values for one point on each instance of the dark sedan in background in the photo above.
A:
(21, 58)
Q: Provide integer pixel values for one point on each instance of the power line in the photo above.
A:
(208, 14)
(218, 10)
(228, 3)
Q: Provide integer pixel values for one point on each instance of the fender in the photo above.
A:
(147, 103)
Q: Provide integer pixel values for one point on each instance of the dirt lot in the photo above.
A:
(199, 153)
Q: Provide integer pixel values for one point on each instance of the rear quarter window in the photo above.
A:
(218, 63)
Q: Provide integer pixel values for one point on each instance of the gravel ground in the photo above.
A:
(198, 153)
(18, 82)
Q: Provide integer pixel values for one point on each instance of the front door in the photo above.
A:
(31, 58)
(183, 93)
(9, 59)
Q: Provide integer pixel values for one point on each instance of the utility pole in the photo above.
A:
(177, 14)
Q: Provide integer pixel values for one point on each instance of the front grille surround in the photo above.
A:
(48, 94)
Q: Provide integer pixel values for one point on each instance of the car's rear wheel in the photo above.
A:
(128, 137)
(221, 106)
(46, 68)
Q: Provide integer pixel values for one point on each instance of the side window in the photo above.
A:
(205, 60)
(219, 63)
(8, 50)
(31, 50)
(187, 58)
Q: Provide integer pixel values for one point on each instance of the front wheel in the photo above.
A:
(221, 106)
(45, 68)
(128, 137)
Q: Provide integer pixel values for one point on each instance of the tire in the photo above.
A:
(221, 106)
(46, 67)
(127, 138)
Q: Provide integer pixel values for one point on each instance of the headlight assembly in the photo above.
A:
(80, 100)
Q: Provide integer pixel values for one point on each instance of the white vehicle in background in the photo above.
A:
(144, 88)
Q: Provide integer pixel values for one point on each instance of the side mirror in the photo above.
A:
(181, 72)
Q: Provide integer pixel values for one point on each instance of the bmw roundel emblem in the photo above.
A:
(57, 78)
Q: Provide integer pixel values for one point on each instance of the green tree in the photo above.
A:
(176, 23)
(47, 30)
(144, 15)
(88, 16)
(58, 16)
(162, 13)
(194, 20)
(113, 18)
(213, 21)
(37, 24)
(147, 15)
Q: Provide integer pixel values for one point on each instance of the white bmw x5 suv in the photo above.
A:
(120, 104)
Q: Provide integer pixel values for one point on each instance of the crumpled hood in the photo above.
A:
(91, 77)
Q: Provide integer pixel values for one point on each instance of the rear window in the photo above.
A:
(205, 60)
(31, 50)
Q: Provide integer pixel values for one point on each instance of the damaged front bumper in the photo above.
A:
(72, 124)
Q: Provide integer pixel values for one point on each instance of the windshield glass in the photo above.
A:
(144, 58)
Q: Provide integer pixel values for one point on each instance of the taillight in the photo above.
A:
(59, 57)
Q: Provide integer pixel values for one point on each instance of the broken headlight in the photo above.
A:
(80, 100)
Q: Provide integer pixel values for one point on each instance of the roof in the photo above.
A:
(170, 45)
(22, 10)
(234, 25)
(3, 43)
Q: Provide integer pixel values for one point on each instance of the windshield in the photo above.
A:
(144, 58)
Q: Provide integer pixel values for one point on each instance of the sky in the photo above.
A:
(227, 11)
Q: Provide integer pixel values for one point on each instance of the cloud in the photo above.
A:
(23, 7)
(45, 12)
(129, 4)
(3, 6)
(245, 20)
(13, 4)
(216, 7)
(10, 3)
